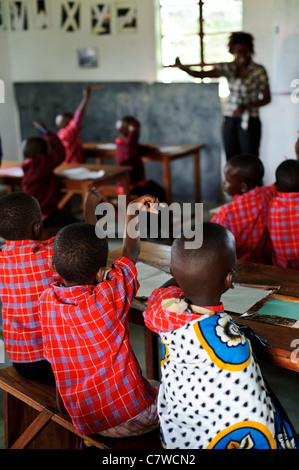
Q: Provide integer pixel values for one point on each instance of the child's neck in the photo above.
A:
(204, 300)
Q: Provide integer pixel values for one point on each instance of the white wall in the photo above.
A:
(280, 119)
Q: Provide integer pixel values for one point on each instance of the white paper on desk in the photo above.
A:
(169, 148)
(108, 146)
(81, 174)
(242, 298)
(149, 278)
(12, 171)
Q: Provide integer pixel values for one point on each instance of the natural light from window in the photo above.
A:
(180, 28)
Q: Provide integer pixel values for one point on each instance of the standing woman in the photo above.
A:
(249, 90)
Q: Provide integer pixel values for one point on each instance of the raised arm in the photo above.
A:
(57, 150)
(131, 244)
(92, 199)
(196, 73)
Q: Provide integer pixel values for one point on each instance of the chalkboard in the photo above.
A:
(169, 113)
(286, 42)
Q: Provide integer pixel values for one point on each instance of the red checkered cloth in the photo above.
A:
(160, 320)
(25, 273)
(70, 139)
(246, 217)
(39, 179)
(86, 339)
(284, 229)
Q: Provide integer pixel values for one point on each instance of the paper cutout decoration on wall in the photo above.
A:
(41, 14)
(126, 17)
(100, 19)
(18, 16)
(70, 16)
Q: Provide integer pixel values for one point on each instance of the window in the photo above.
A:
(196, 31)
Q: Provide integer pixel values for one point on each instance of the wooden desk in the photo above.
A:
(112, 174)
(278, 331)
(101, 150)
(70, 187)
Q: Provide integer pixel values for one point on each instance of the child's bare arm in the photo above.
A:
(92, 199)
(131, 244)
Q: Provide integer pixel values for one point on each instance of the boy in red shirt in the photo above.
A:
(42, 156)
(129, 152)
(283, 216)
(86, 334)
(26, 271)
(246, 214)
(69, 129)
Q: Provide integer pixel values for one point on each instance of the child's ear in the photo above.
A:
(53, 265)
(100, 274)
(229, 280)
(244, 188)
(37, 229)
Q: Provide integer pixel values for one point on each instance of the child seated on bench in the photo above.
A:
(283, 216)
(129, 152)
(25, 265)
(246, 214)
(86, 334)
(26, 271)
(212, 393)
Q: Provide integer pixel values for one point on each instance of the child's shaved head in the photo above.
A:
(287, 176)
(208, 266)
(78, 253)
(18, 213)
(34, 146)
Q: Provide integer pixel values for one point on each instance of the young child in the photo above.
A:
(129, 152)
(283, 216)
(212, 394)
(246, 214)
(69, 129)
(25, 265)
(39, 178)
(26, 271)
(86, 334)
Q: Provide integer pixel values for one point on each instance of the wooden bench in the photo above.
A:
(32, 420)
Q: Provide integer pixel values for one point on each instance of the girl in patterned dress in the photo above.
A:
(212, 393)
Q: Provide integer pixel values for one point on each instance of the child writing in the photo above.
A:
(86, 334)
(212, 394)
(129, 152)
(246, 214)
(69, 130)
(283, 216)
(26, 271)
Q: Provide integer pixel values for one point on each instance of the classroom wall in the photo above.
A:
(50, 56)
(280, 119)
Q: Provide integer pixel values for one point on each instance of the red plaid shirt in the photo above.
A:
(161, 320)
(25, 273)
(284, 229)
(246, 217)
(39, 179)
(70, 139)
(86, 340)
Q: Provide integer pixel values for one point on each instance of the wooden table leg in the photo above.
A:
(197, 188)
(167, 180)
